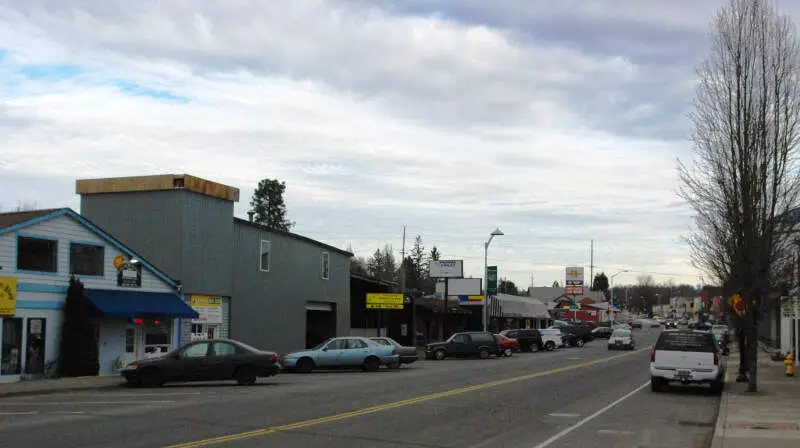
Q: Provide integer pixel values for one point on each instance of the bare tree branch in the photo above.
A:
(743, 179)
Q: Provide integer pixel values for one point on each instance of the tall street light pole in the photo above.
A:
(497, 232)
(611, 288)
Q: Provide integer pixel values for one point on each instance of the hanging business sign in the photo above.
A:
(491, 280)
(209, 309)
(8, 296)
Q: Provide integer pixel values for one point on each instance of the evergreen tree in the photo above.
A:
(268, 205)
(78, 355)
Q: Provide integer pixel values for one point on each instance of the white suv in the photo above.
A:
(552, 338)
(688, 357)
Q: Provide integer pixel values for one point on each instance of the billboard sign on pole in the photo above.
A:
(575, 276)
(464, 286)
(446, 268)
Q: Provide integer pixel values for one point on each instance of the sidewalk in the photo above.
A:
(42, 387)
(771, 416)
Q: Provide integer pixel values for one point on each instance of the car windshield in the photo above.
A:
(321, 344)
(247, 347)
(621, 334)
(719, 328)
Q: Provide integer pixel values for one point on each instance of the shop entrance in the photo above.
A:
(320, 322)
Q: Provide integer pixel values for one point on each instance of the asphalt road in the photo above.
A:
(571, 397)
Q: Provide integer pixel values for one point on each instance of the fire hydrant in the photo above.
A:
(789, 363)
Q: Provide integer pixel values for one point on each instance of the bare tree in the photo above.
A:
(743, 180)
(25, 206)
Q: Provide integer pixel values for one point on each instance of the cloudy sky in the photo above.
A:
(559, 122)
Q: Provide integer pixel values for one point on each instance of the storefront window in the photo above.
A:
(156, 341)
(34, 359)
(10, 357)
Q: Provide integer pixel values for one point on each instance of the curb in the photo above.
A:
(55, 390)
(718, 437)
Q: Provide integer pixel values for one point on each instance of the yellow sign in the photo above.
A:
(384, 301)
(384, 306)
(474, 298)
(8, 296)
(198, 300)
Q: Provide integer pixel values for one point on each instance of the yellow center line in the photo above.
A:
(393, 405)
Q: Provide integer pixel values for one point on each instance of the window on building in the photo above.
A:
(86, 259)
(130, 340)
(326, 266)
(11, 355)
(37, 254)
(265, 256)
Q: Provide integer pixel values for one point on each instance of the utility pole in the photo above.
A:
(591, 264)
(412, 330)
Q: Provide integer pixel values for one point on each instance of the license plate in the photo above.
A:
(684, 373)
(618, 342)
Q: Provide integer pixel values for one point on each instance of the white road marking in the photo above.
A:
(574, 358)
(19, 413)
(164, 394)
(59, 403)
(68, 412)
(615, 432)
(557, 414)
(586, 420)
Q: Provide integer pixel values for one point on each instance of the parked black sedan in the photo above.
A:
(602, 332)
(209, 360)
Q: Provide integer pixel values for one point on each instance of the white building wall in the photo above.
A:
(42, 295)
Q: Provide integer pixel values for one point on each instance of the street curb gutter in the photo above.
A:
(55, 390)
(718, 439)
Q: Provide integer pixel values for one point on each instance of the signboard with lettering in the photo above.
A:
(209, 309)
(8, 296)
(384, 301)
(446, 269)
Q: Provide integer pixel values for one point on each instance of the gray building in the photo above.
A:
(271, 289)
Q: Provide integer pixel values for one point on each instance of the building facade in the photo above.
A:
(138, 308)
(274, 290)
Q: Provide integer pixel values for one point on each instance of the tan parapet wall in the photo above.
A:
(161, 182)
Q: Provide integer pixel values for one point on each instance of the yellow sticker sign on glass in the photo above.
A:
(8, 296)
(200, 300)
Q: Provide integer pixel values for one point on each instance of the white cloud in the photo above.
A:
(374, 119)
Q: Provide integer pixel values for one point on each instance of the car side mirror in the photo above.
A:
(325, 349)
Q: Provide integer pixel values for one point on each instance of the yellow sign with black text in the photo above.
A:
(384, 301)
(8, 296)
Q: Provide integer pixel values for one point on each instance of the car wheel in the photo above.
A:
(550, 346)
(483, 354)
(439, 355)
(371, 364)
(717, 386)
(579, 343)
(246, 375)
(150, 378)
(305, 365)
(508, 353)
(655, 384)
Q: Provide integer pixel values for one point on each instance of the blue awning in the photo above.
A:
(132, 304)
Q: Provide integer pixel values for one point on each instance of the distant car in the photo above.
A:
(637, 323)
(602, 332)
(671, 323)
(507, 345)
(552, 338)
(342, 353)
(209, 360)
(407, 354)
(462, 345)
(688, 357)
(621, 339)
(528, 338)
